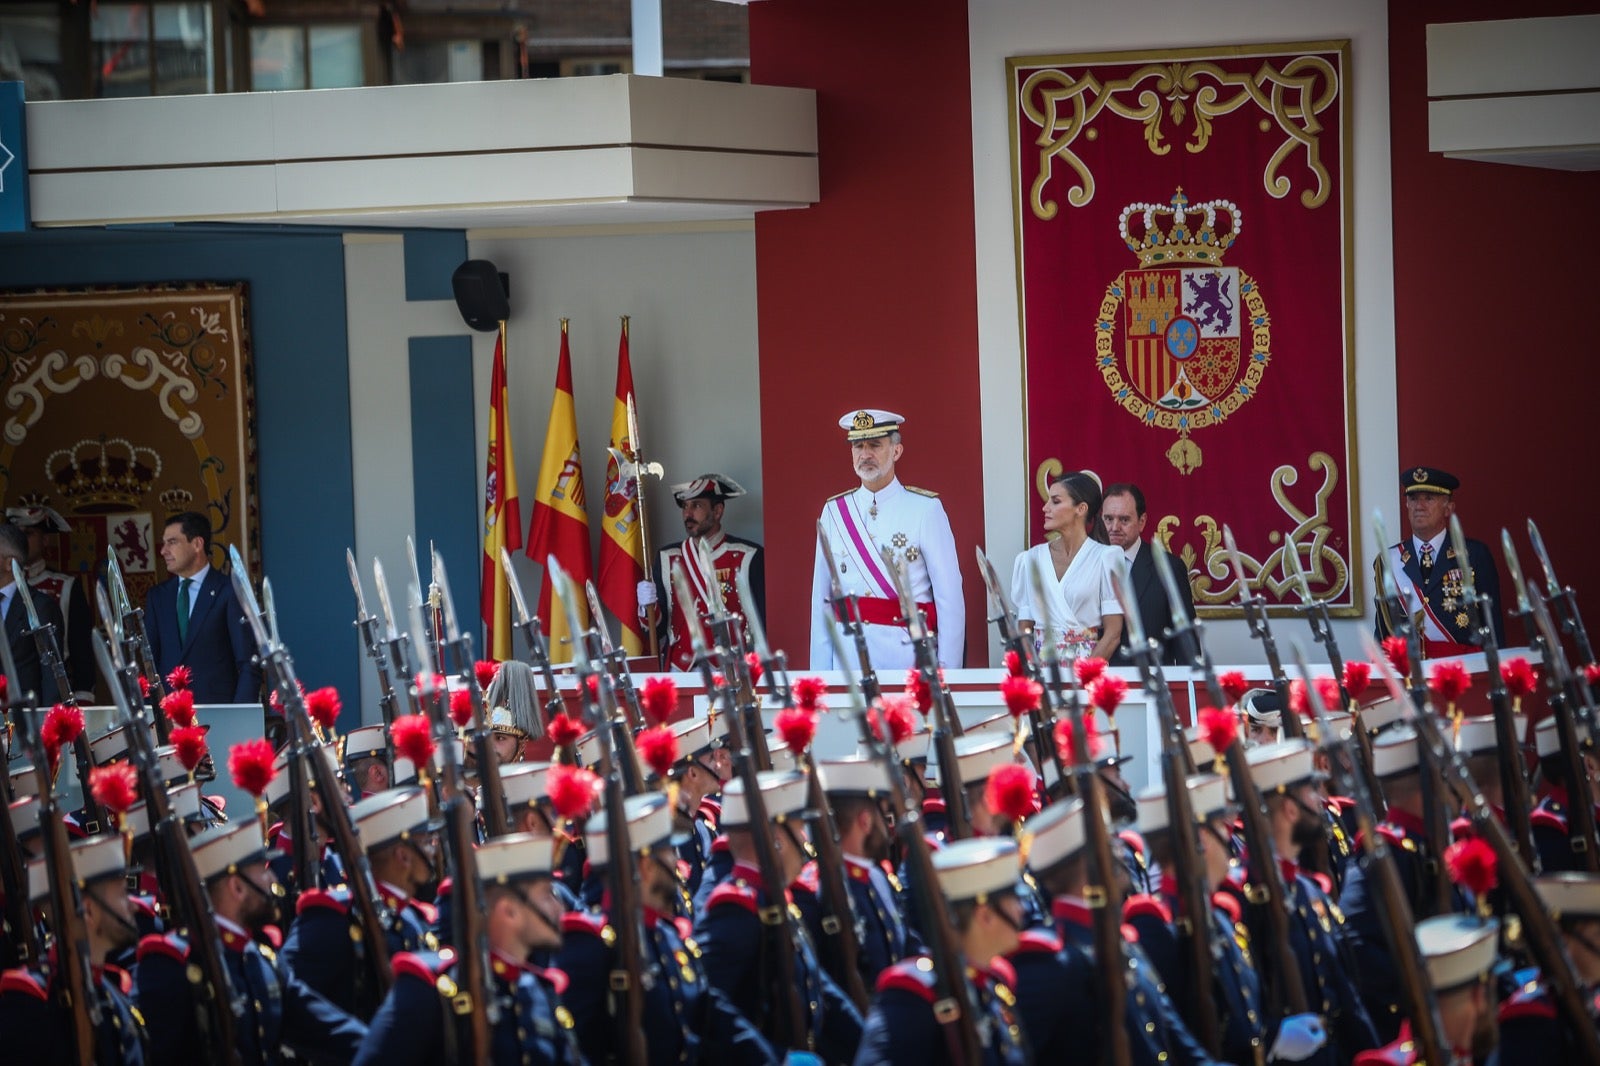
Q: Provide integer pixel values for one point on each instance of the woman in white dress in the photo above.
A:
(1081, 605)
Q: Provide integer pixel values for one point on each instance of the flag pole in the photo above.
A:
(652, 612)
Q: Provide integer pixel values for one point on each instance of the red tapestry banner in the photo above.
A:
(1184, 268)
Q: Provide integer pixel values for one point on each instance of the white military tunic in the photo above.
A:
(912, 522)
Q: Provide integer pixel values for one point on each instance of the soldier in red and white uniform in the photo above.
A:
(77, 652)
(716, 589)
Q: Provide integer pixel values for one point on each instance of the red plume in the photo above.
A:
(180, 677)
(116, 787)
(1233, 685)
(1219, 728)
(1472, 865)
(658, 747)
(250, 764)
(1519, 676)
(144, 687)
(1065, 745)
(63, 725)
(564, 730)
(191, 744)
(1014, 665)
(1398, 654)
(1010, 792)
(1449, 680)
(659, 699)
(276, 702)
(484, 670)
(920, 691)
(1357, 678)
(808, 692)
(797, 726)
(1328, 689)
(1107, 691)
(413, 740)
(323, 706)
(752, 662)
(1022, 694)
(430, 682)
(1089, 670)
(1591, 674)
(572, 790)
(178, 705)
(1299, 702)
(896, 710)
(461, 707)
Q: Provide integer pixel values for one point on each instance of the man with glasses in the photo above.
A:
(194, 620)
(1123, 514)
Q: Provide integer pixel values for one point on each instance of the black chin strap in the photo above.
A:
(119, 919)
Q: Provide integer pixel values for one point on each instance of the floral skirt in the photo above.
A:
(1071, 644)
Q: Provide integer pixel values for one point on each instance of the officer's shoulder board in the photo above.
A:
(910, 975)
(24, 982)
(1228, 903)
(426, 966)
(336, 900)
(162, 945)
(426, 911)
(841, 495)
(145, 905)
(585, 923)
(734, 893)
(1529, 1001)
(1144, 906)
(922, 492)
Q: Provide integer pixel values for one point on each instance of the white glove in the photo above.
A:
(647, 593)
(1300, 1036)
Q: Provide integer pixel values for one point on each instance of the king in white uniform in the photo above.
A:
(911, 522)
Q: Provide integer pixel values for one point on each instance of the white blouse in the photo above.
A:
(1076, 604)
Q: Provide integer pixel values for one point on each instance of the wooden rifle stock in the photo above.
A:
(838, 918)
(21, 947)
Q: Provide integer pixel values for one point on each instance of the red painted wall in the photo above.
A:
(1494, 336)
(868, 299)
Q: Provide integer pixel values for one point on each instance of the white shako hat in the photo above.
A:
(1570, 893)
(1459, 949)
(524, 783)
(694, 737)
(1208, 794)
(365, 742)
(1547, 738)
(916, 749)
(24, 782)
(1283, 765)
(228, 848)
(278, 788)
(1057, 833)
(976, 756)
(93, 860)
(184, 801)
(392, 815)
(783, 792)
(856, 775)
(25, 816)
(1476, 736)
(1384, 713)
(714, 487)
(110, 745)
(171, 767)
(995, 723)
(649, 818)
(868, 423)
(977, 868)
(1200, 749)
(1395, 752)
(515, 857)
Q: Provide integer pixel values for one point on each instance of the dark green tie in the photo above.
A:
(183, 608)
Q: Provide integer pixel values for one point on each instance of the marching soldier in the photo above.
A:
(1552, 834)
(685, 1018)
(1531, 1029)
(978, 879)
(1428, 574)
(366, 750)
(273, 1009)
(1460, 953)
(703, 501)
(420, 1023)
(699, 779)
(882, 513)
(854, 787)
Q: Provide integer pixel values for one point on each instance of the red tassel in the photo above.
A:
(1010, 792)
(920, 691)
(797, 726)
(1591, 674)
(658, 747)
(485, 671)
(180, 677)
(1089, 669)
(896, 711)
(1357, 678)
(1519, 676)
(1398, 654)
(461, 707)
(659, 699)
(323, 706)
(115, 788)
(178, 705)
(1219, 728)
(564, 730)
(1472, 865)
(1014, 664)
(1449, 680)
(1107, 692)
(62, 726)
(1328, 689)
(1022, 694)
(191, 744)
(1233, 685)
(808, 692)
(250, 764)
(572, 790)
(413, 739)
(1065, 739)
(144, 687)
(752, 662)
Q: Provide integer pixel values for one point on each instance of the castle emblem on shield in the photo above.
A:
(1183, 341)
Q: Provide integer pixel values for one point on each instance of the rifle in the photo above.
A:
(131, 622)
(482, 1007)
(1004, 616)
(44, 639)
(1539, 932)
(848, 614)
(729, 635)
(21, 944)
(1255, 616)
(491, 790)
(396, 644)
(943, 718)
(1567, 696)
(789, 1021)
(368, 626)
(1101, 892)
(306, 865)
(629, 978)
(1188, 632)
(538, 649)
(1562, 598)
(335, 812)
(1193, 918)
(613, 662)
(953, 1004)
(1513, 768)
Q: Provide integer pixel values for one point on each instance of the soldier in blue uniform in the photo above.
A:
(1531, 1029)
(272, 1008)
(324, 948)
(733, 937)
(280, 841)
(854, 787)
(685, 1018)
(144, 892)
(1460, 954)
(978, 879)
(696, 775)
(421, 1021)
(35, 1025)
(1552, 832)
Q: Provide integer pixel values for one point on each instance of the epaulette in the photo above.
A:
(810, 879)
(557, 979)
(933, 805)
(1132, 838)
(922, 492)
(171, 945)
(334, 899)
(1341, 803)
(270, 937)
(584, 922)
(445, 887)
(119, 977)
(426, 966)
(1038, 941)
(1322, 880)
(23, 981)
(1399, 1053)
(731, 891)
(841, 495)
(1528, 1002)
(1129, 933)
(1393, 837)
(1543, 817)
(719, 844)
(274, 831)
(684, 926)
(711, 811)
(1143, 906)
(1003, 972)
(1228, 903)
(429, 912)
(908, 976)
(143, 905)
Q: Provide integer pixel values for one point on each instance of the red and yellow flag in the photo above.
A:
(560, 517)
(502, 514)
(622, 545)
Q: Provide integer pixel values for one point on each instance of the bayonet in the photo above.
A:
(1562, 596)
(1190, 630)
(1255, 614)
(381, 586)
(247, 599)
(270, 609)
(355, 583)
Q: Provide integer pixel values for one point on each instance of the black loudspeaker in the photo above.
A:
(482, 294)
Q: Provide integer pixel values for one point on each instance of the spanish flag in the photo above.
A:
(622, 546)
(560, 516)
(502, 514)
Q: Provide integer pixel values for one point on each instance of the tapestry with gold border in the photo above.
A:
(1184, 274)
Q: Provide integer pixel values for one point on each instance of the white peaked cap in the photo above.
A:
(1383, 713)
(25, 816)
(515, 857)
(1282, 765)
(184, 801)
(1207, 795)
(523, 782)
(278, 788)
(1459, 949)
(869, 422)
(1476, 736)
(391, 815)
(853, 776)
(1571, 893)
(227, 848)
(1395, 752)
(649, 818)
(783, 792)
(1057, 831)
(977, 868)
(24, 782)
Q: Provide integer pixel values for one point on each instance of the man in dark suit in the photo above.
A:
(31, 675)
(194, 620)
(1123, 512)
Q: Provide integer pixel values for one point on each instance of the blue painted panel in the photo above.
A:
(444, 460)
(432, 255)
(13, 158)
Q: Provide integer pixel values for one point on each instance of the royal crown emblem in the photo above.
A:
(176, 500)
(103, 476)
(1171, 339)
(862, 420)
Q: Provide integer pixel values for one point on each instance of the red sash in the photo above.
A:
(882, 611)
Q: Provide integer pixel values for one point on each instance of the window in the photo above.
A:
(431, 62)
(306, 57)
(151, 49)
(30, 49)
